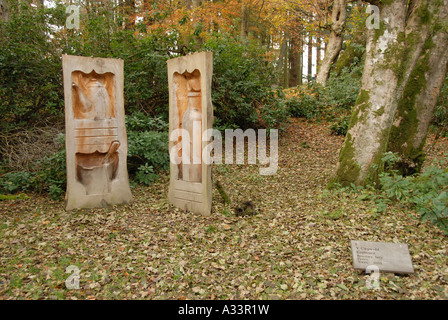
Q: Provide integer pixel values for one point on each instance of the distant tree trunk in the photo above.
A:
(300, 76)
(198, 40)
(334, 45)
(318, 52)
(281, 58)
(351, 52)
(310, 56)
(294, 62)
(4, 13)
(286, 64)
(244, 21)
(416, 105)
(373, 114)
(130, 13)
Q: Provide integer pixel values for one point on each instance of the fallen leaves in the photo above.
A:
(297, 247)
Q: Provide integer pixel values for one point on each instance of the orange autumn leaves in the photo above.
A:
(201, 18)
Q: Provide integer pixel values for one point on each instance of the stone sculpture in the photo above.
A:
(191, 114)
(96, 140)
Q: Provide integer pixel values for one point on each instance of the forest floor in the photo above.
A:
(296, 247)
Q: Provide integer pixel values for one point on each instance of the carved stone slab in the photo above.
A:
(388, 257)
(191, 113)
(96, 141)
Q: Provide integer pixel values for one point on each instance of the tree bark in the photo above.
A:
(300, 80)
(286, 64)
(351, 52)
(283, 62)
(373, 114)
(294, 63)
(318, 51)
(310, 56)
(419, 97)
(334, 45)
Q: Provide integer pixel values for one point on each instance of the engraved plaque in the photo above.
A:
(388, 257)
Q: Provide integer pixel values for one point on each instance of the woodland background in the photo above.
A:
(264, 52)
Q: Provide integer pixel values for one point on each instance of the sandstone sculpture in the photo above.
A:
(96, 140)
(191, 114)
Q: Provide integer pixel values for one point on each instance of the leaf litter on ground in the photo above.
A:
(297, 246)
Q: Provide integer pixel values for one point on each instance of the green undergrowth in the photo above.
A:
(147, 158)
(333, 103)
(426, 193)
(20, 196)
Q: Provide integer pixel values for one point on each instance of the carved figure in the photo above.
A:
(96, 141)
(95, 103)
(192, 123)
(191, 116)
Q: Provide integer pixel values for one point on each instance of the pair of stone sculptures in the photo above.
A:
(96, 140)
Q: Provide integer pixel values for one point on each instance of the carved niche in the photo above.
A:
(96, 140)
(191, 113)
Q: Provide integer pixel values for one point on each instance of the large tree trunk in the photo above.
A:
(406, 63)
(373, 114)
(281, 61)
(334, 45)
(416, 106)
(4, 14)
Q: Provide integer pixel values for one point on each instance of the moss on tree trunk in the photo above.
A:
(352, 51)
(405, 66)
(367, 138)
(416, 106)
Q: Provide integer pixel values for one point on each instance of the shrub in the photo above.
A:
(340, 126)
(147, 156)
(305, 103)
(147, 146)
(48, 175)
(426, 193)
(51, 176)
(332, 103)
(30, 76)
(14, 182)
(242, 93)
(342, 90)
